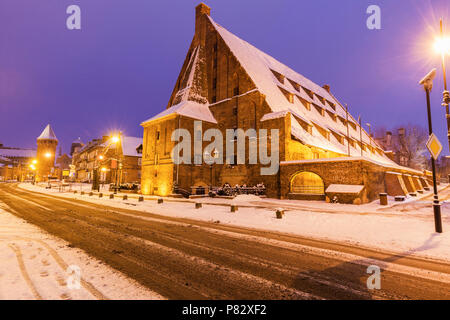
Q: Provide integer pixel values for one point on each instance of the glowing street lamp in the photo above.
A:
(442, 46)
(48, 155)
(115, 139)
(34, 161)
(103, 169)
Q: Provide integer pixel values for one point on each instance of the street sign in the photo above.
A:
(434, 146)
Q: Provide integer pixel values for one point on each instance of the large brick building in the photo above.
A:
(226, 83)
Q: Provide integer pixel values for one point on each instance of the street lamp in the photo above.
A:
(427, 83)
(442, 46)
(48, 155)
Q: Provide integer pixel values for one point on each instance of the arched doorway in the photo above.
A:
(307, 183)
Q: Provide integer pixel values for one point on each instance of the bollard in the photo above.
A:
(160, 200)
(82, 193)
(91, 194)
(233, 208)
(383, 199)
(111, 196)
(280, 213)
(125, 197)
(100, 195)
(141, 199)
(198, 205)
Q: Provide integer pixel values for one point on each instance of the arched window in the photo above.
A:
(307, 183)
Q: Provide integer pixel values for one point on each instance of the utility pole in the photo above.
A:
(427, 83)
(446, 98)
(348, 132)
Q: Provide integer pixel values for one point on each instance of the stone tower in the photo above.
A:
(46, 153)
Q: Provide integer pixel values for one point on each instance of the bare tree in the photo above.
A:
(408, 142)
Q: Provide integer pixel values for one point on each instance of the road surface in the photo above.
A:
(188, 259)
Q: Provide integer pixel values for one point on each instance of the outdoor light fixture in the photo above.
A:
(48, 155)
(442, 45)
(103, 169)
(34, 161)
(101, 157)
(115, 139)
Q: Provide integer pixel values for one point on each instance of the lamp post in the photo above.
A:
(427, 83)
(442, 46)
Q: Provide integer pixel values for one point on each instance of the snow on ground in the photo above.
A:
(34, 265)
(407, 228)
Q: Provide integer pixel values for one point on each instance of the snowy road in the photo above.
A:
(189, 259)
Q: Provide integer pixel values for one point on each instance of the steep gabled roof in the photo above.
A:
(47, 134)
(188, 101)
(274, 79)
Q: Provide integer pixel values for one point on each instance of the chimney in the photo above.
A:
(388, 139)
(326, 87)
(201, 13)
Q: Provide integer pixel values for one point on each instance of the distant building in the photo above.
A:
(397, 147)
(121, 163)
(14, 163)
(76, 146)
(46, 154)
(62, 166)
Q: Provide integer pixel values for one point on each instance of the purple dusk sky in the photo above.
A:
(121, 67)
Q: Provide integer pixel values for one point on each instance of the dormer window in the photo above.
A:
(308, 92)
(289, 96)
(332, 115)
(331, 104)
(320, 99)
(324, 132)
(338, 137)
(319, 110)
(305, 103)
(295, 85)
(279, 76)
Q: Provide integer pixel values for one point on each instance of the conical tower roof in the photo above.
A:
(47, 134)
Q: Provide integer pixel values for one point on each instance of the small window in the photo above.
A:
(308, 92)
(215, 47)
(279, 76)
(295, 85)
(215, 62)
(214, 99)
(235, 111)
(236, 91)
(214, 84)
(157, 135)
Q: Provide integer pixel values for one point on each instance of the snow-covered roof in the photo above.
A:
(265, 72)
(344, 188)
(17, 153)
(188, 101)
(47, 134)
(189, 109)
(129, 146)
